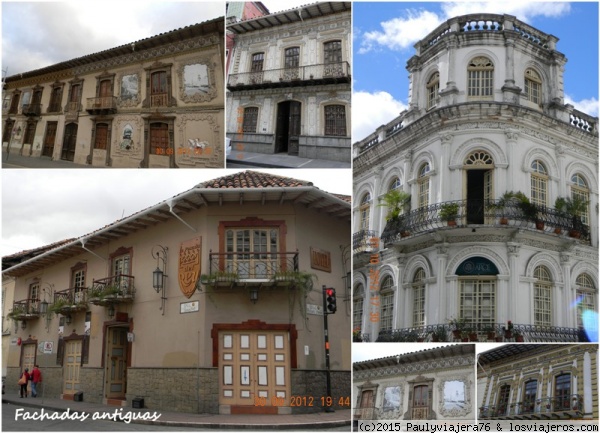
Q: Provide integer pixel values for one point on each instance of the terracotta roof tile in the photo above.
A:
(253, 179)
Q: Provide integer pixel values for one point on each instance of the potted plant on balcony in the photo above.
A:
(529, 210)
(396, 201)
(356, 336)
(448, 213)
(502, 205)
(439, 334)
(508, 331)
(490, 332)
(518, 337)
(17, 312)
(61, 305)
(458, 326)
(572, 208)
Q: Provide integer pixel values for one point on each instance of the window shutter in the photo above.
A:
(85, 349)
(60, 352)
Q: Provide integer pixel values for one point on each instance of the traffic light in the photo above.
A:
(331, 301)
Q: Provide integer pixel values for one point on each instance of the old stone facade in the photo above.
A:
(157, 102)
(432, 384)
(234, 322)
(538, 382)
(465, 206)
(289, 83)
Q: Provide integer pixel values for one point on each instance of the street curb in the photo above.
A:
(257, 164)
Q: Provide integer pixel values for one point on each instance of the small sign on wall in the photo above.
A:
(315, 310)
(189, 307)
(320, 259)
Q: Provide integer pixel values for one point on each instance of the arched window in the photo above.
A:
(395, 183)
(418, 286)
(529, 396)
(562, 392)
(586, 297)
(542, 297)
(387, 304)
(423, 185)
(481, 78)
(357, 307)
(580, 191)
(533, 86)
(539, 183)
(433, 88)
(365, 211)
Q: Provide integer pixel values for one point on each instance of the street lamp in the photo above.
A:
(159, 275)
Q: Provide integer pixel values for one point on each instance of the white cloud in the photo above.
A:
(587, 106)
(371, 110)
(403, 32)
(524, 11)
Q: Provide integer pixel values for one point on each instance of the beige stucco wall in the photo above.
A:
(183, 340)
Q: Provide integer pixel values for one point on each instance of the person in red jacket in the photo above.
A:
(27, 377)
(36, 377)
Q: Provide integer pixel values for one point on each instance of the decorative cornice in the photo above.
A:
(420, 367)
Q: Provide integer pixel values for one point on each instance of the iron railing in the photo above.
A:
(25, 309)
(112, 290)
(361, 241)
(495, 332)
(545, 408)
(107, 103)
(252, 265)
(328, 72)
(486, 213)
(32, 109)
(72, 299)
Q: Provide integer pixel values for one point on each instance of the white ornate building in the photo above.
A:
(434, 384)
(289, 83)
(487, 116)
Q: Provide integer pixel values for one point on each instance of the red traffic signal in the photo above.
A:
(330, 299)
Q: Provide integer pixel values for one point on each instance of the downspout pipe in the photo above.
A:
(83, 241)
(171, 205)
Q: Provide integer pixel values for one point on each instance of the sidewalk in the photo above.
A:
(14, 160)
(314, 421)
(280, 160)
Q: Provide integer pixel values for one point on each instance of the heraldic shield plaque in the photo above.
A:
(189, 265)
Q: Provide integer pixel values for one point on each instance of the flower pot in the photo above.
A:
(435, 338)
(498, 339)
(504, 221)
(465, 340)
(452, 223)
(473, 336)
(557, 230)
(491, 335)
(575, 234)
(456, 333)
(519, 338)
(507, 334)
(539, 225)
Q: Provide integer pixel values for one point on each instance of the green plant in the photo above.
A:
(17, 311)
(458, 324)
(396, 202)
(59, 304)
(219, 276)
(449, 211)
(95, 292)
(571, 206)
(528, 209)
(439, 334)
(110, 291)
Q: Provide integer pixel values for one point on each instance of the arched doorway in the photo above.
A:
(479, 169)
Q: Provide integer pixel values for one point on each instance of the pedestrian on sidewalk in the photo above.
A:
(36, 378)
(23, 381)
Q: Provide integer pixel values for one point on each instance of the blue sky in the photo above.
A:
(384, 34)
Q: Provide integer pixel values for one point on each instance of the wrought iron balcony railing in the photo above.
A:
(545, 408)
(25, 309)
(103, 104)
(362, 241)
(247, 266)
(32, 109)
(301, 75)
(116, 289)
(486, 213)
(495, 332)
(70, 300)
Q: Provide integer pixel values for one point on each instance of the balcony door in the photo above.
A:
(252, 253)
(69, 142)
(479, 168)
(503, 398)
(287, 134)
(562, 392)
(420, 406)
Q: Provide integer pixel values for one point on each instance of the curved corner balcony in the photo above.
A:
(550, 408)
(488, 213)
(489, 332)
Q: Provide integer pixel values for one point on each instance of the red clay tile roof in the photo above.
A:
(13, 259)
(253, 179)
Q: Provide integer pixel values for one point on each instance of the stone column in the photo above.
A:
(376, 221)
(587, 385)
(438, 299)
(511, 141)
(401, 295)
(444, 170)
(513, 249)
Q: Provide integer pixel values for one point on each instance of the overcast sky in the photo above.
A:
(44, 206)
(39, 34)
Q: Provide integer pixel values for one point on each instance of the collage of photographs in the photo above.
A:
(290, 216)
